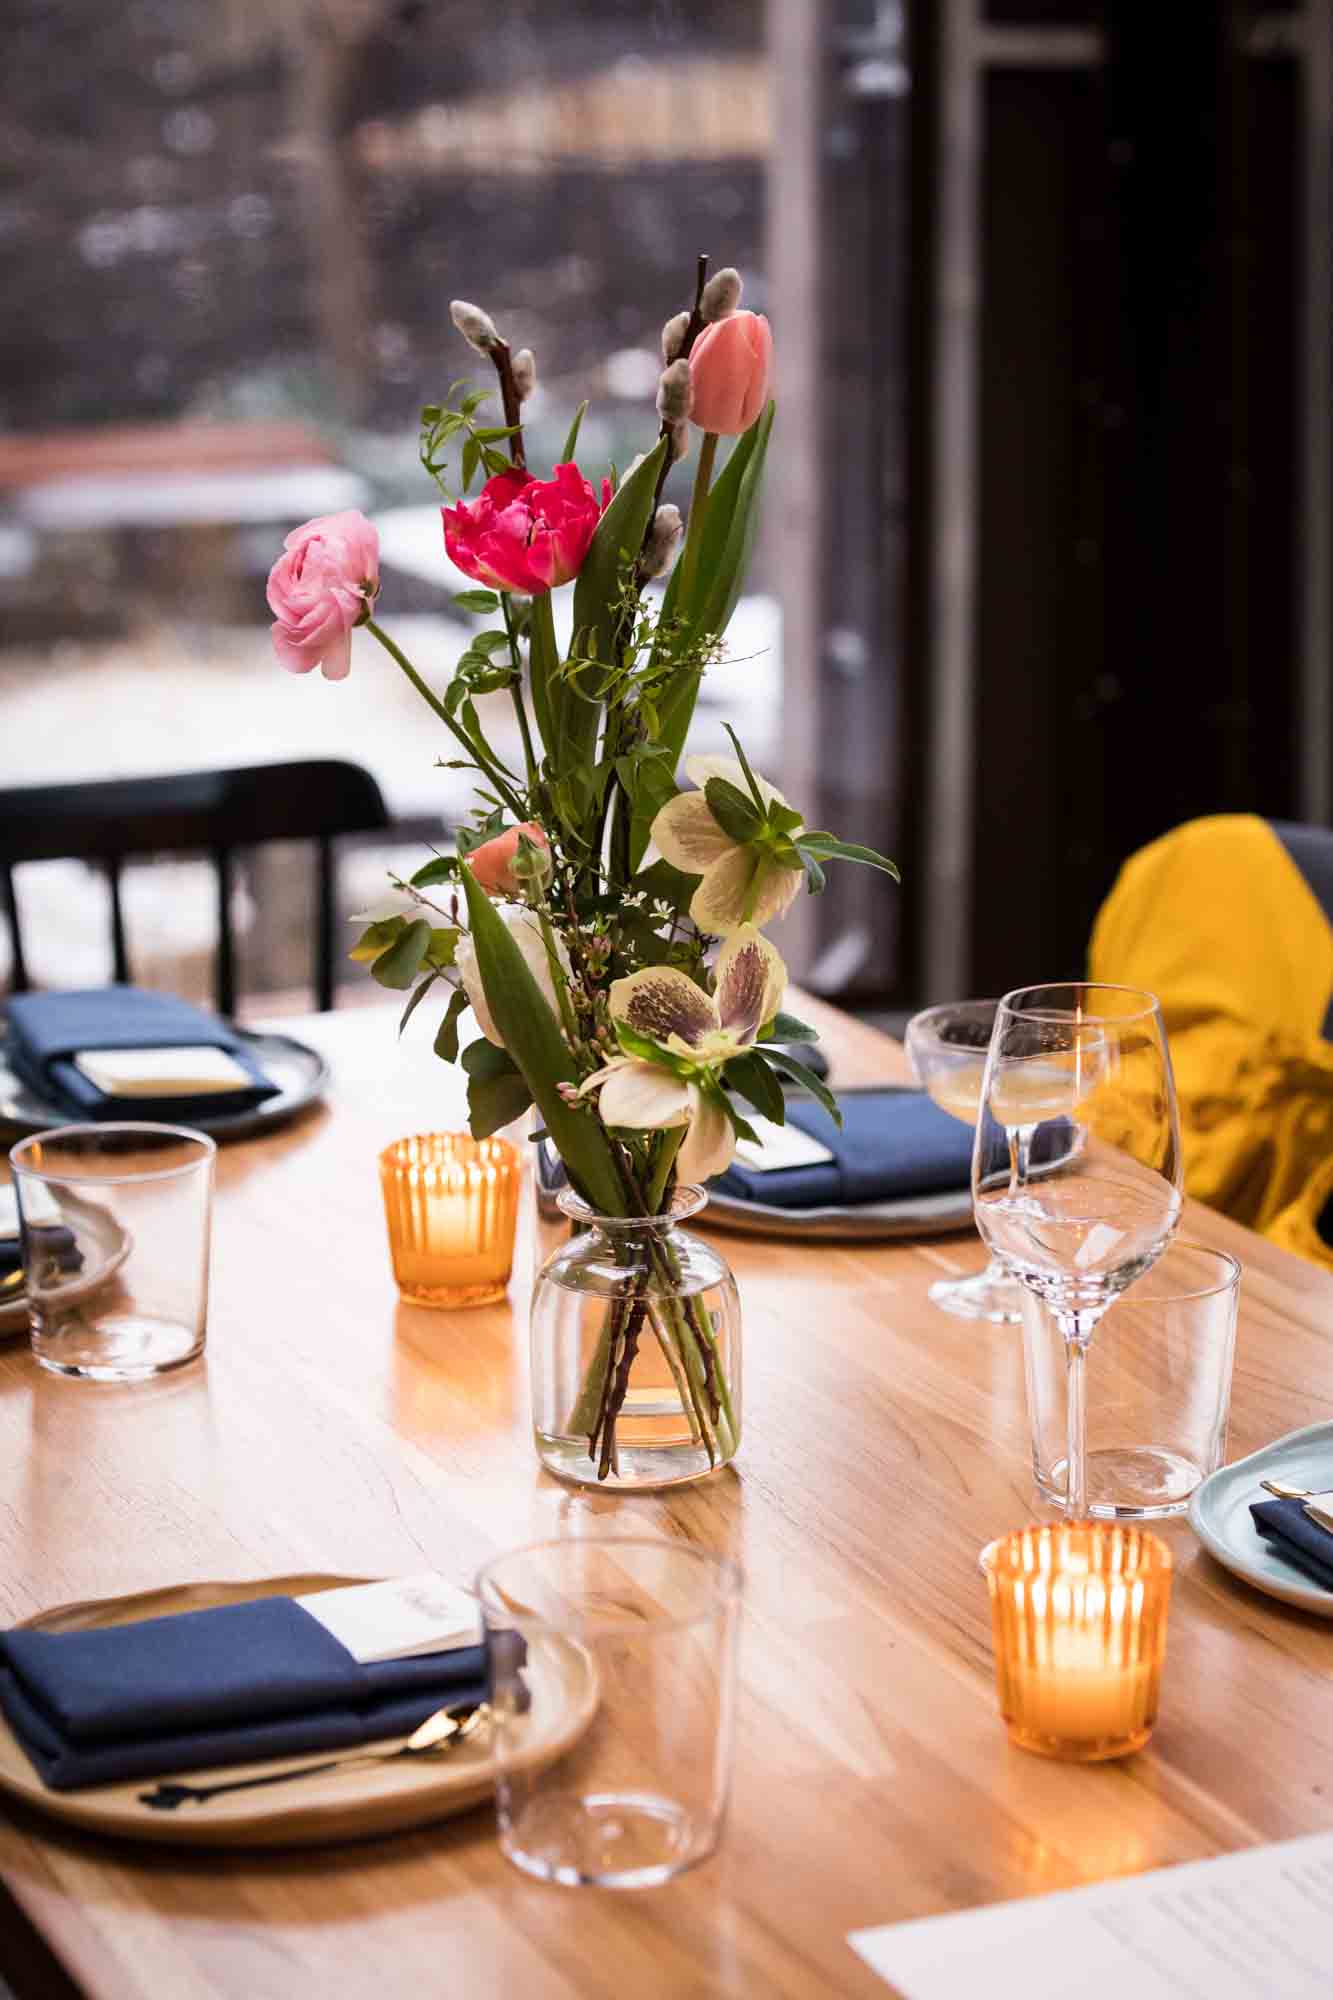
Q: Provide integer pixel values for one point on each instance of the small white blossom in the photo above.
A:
(675, 392)
(722, 294)
(633, 900)
(476, 326)
(663, 909)
(673, 336)
(524, 371)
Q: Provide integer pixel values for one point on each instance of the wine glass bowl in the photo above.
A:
(1076, 1172)
(947, 1048)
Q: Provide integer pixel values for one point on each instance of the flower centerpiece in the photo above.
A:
(605, 926)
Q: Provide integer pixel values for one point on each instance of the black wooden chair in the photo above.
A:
(211, 812)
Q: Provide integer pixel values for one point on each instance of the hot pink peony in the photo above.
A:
(522, 533)
(730, 364)
(493, 862)
(323, 585)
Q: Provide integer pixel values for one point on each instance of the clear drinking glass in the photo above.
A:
(635, 1309)
(643, 1793)
(946, 1047)
(118, 1288)
(1076, 1170)
(1158, 1387)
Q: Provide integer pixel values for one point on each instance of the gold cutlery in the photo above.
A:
(1284, 1492)
(439, 1732)
(11, 1285)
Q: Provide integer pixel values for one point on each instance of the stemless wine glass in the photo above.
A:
(1076, 1170)
(946, 1047)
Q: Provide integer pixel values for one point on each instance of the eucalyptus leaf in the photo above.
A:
(476, 600)
(438, 869)
(446, 1035)
(786, 1028)
(496, 1091)
(398, 966)
(419, 993)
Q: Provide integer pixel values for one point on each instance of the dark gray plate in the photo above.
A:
(300, 1072)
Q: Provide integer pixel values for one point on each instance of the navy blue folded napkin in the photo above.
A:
(47, 1030)
(232, 1685)
(892, 1142)
(1288, 1529)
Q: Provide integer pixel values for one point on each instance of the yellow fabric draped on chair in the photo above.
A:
(1218, 921)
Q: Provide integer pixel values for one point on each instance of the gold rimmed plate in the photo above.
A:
(357, 1803)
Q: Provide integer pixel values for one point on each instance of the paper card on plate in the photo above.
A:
(397, 1620)
(779, 1146)
(185, 1072)
(1249, 1926)
(39, 1205)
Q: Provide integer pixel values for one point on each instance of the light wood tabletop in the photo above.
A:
(331, 1428)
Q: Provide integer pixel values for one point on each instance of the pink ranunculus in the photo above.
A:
(320, 587)
(729, 368)
(493, 862)
(522, 533)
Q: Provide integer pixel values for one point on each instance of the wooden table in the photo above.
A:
(333, 1428)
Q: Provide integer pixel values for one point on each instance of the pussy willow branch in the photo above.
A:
(693, 329)
(504, 368)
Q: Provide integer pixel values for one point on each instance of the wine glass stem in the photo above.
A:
(1076, 1327)
(1076, 1442)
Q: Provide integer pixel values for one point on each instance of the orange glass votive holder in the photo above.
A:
(1078, 1610)
(451, 1203)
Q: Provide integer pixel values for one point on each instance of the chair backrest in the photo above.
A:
(213, 812)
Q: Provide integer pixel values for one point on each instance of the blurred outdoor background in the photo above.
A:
(1044, 567)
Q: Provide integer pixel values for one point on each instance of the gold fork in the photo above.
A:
(442, 1731)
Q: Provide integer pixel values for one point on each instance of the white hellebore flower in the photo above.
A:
(525, 929)
(693, 1035)
(743, 882)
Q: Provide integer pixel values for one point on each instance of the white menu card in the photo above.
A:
(1251, 1926)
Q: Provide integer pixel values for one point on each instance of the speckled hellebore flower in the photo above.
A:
(677, 1041)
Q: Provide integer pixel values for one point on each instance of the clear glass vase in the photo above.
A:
(636, 1357)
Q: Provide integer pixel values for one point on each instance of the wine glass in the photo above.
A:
(1076, 1169)
(946, 1047)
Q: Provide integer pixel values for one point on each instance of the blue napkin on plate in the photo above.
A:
(1286, 1526)
(231, 1685)
(892, 1142)
(47, 1030)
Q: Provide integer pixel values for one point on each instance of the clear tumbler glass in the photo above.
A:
(1158, 1383)
(643, 1793)
(117, 1286)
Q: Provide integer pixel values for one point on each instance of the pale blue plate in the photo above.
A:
(1219, 1514)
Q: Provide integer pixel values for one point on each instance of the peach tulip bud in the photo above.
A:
(499, 867)
(475, 326)
(722, 294)
(524, 370)
(673, 337)
(663, 541)
(673, 392)
(729, 367)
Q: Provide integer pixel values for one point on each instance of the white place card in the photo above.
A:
(184, 1072)
(40, 1206)
(397, 1620)
(779, 1146)
(1248, 1926)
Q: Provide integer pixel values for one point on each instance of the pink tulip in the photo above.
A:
(493, 862)
(522, 533)
(323, 585)
(729, 368)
